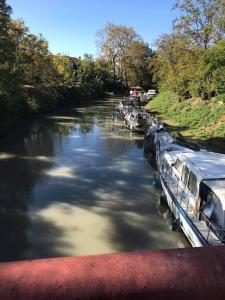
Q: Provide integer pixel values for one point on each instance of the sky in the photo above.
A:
(70, 26)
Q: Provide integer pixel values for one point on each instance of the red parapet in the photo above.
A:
(194, 273)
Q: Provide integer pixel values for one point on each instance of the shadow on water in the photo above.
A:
(75, 183)
(21, 161)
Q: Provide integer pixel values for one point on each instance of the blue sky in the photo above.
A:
(70, 26)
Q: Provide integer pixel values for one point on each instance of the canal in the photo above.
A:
(76, 183)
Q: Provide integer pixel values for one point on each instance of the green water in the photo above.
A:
(76, 183)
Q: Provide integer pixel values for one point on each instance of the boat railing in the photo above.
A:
(214, 234)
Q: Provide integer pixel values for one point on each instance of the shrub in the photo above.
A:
(221, 98)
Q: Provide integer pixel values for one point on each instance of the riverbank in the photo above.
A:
(37, 103)
(195, 119)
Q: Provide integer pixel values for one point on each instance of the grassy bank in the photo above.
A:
(196, 119)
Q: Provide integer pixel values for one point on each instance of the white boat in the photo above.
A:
(127, 105)
(136, 91)
(138, 120)
(156, 137)
(194, 188)
(151, 93)
(140, 94)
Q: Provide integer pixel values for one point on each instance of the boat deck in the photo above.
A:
(201, 226)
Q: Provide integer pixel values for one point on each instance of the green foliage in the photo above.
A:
(190, 61)
(201, 21)
(91, 77)
(162, 102)
(200, 118)
(139, 56)
(126, 54)
(32, 79)
(210, 76)
(221, 98)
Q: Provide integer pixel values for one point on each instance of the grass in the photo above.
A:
(194, 118)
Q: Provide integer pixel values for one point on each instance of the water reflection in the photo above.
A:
(76, 183)
(20, 165)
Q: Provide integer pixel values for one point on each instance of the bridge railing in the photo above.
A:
(193, 273)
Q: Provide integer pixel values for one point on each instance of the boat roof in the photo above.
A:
(209, 167)
(141, 112)
(136, 88)
(205, 165)
(173, 147)
(164, 138)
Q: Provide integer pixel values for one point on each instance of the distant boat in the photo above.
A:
(136, 91)
(127, 105)
(138, 120)
(151, 93)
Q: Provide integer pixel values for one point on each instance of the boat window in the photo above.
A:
(178, 165)
(212, 210)
(192, 183)
(164, 162)
(185, 174)
(209, 205)
(165, 167)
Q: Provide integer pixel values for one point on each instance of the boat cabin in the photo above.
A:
(138, 120)
(151, 93)
(157, 138)
(130, 102)
(127, 105)
(136, 91)
(196, 181)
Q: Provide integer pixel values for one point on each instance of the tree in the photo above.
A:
(31, 78)
(139, 56)
(202, 21)
(190, 60)
(103, 75)
(7, 47)
(60, 73)
(89, 78)
(175, 63)
(8, 80)
(113, 42)
(212, 70)
(106, 42)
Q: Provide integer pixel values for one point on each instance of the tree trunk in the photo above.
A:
(114, 70)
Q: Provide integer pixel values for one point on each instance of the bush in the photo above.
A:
(200, 118)
(221, 98)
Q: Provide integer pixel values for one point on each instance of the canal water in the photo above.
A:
(75, 183)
